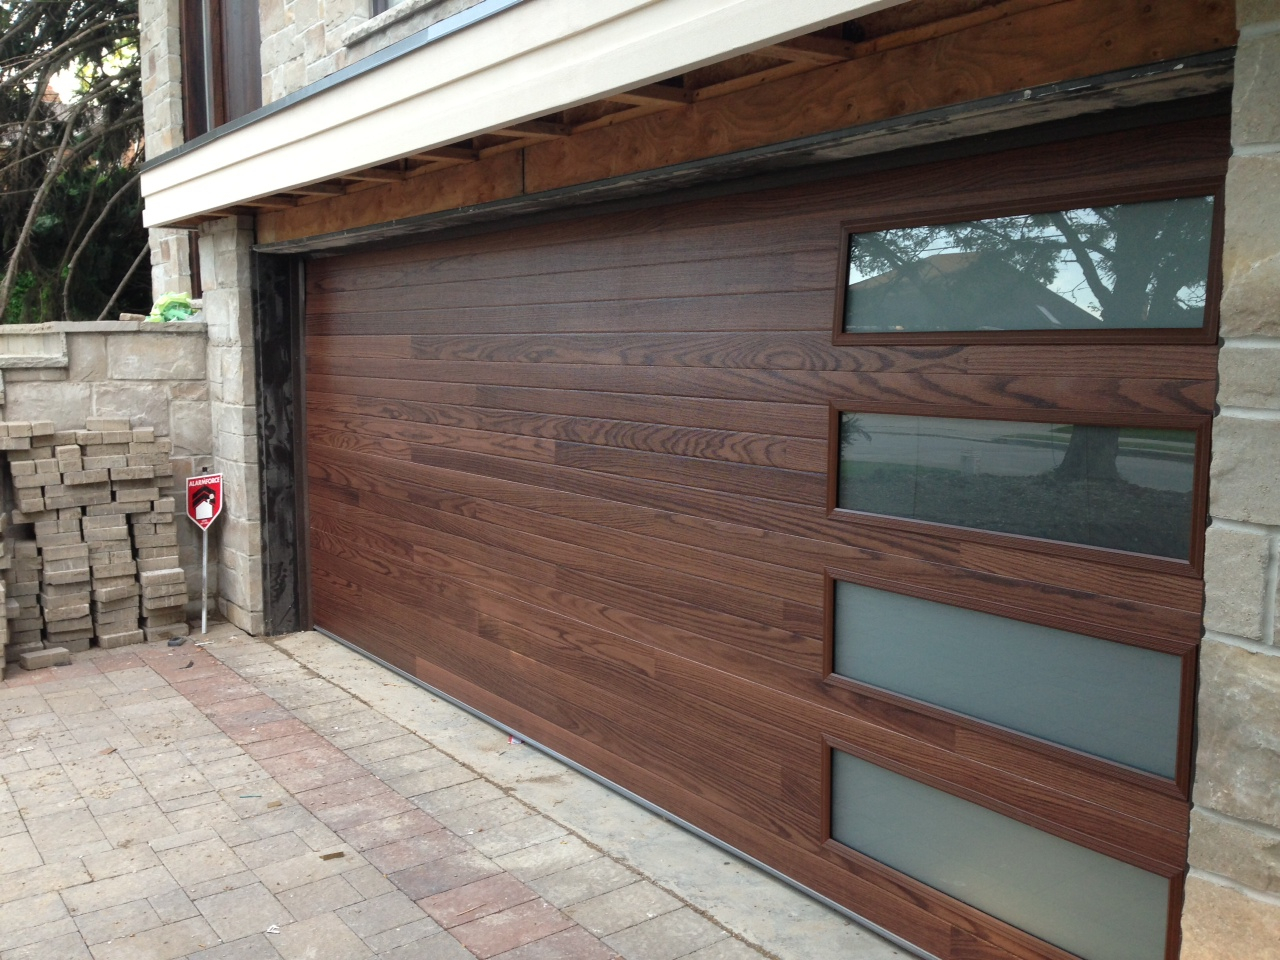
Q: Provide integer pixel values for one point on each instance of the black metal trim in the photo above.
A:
(278, 289)
(1180, 87)
(401, 48)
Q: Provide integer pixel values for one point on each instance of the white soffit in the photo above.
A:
(533, 59)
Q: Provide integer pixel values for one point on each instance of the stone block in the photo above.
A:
(240, 580)
(1219, 923)
(166, 577)
(1244, 484)
(67, 404)
(242, 536)
(139, 401)
(124, 638)
(1251, 251)
(1252, 12)
(87, 355)
(49, 657)
(191, 427)
(156, 356)
(1255, 119)
(1238, 750)
(251, 622)
(1246, 853)
(1249, 376)
(240, 491)
(1235, 575)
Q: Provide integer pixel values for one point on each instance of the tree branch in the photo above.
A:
(71, 265)
(146, 249)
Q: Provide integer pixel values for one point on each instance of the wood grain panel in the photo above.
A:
(1103, 395)
(1096, 36)
(403, 420)
(702, 519)
(589, 460)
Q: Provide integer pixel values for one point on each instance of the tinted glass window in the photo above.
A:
(1130, 266)
(1127, 488)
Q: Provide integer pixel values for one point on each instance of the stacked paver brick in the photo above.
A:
(26, 444)
(105, 552)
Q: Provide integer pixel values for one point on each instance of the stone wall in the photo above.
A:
(227, 271)
(162, 122)
(154, 374)
(402, 20)
(303, 41)
(1233, 891)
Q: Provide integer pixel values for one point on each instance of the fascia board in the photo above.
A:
(535, 58)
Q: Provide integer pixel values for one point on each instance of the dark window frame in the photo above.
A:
(211, 86)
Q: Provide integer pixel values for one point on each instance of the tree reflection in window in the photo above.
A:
(1128, 266)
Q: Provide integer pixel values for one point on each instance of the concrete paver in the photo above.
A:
(240, 801)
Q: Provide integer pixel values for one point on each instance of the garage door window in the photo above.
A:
(1123, 488)
(1113, 700)
(1095, 906)
(1132, 266)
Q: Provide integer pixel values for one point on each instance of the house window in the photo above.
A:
(382, 6)
(221, 62)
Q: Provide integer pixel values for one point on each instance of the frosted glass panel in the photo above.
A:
(1124, 267)
(1127, 488)
(1090, 904)
(1108, 699)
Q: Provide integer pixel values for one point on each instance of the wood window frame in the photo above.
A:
(979, 923)
(1200, 424)
(205, 72)
(1135, 634)
(1146, 378)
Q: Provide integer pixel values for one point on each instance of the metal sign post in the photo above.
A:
(204, 505)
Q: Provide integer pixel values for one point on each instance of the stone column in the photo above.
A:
(1233, 891)
(226, 269)
(162, 121)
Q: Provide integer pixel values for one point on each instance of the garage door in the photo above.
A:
(858, 523)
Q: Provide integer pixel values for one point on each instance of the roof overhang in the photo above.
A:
(536, 57)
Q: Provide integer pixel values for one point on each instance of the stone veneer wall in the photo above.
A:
(1233, 891)
(154, 374)
(303, 41)
(226, 268)
(162, 122)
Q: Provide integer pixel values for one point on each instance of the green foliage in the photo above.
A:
(172, 306)
(16, 309)
(70, 207)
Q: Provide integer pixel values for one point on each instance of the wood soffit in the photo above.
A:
(898, 27)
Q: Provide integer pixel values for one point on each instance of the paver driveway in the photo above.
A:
(227, 802)
(164, 803)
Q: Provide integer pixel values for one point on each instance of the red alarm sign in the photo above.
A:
(204, 498)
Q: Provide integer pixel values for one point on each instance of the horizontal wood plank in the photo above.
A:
(589, 459)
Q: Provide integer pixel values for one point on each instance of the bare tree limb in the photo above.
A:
(15, 256)
(71, 265)
(142, 254)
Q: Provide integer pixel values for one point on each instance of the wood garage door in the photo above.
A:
(589, 478)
